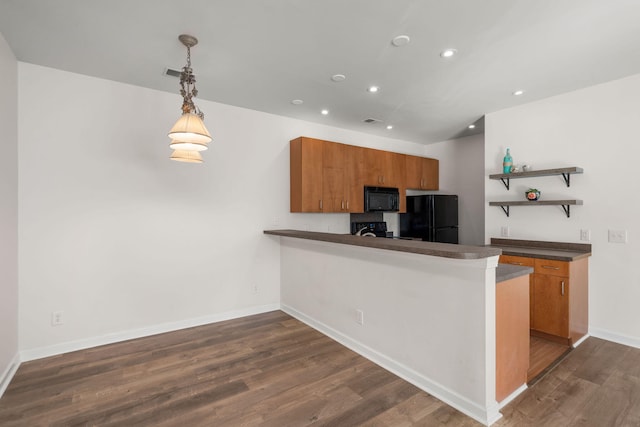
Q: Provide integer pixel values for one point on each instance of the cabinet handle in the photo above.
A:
(562, 287)
(342, 205)
(516, 263)
(347, 205)
(320, 204)
(550, 267)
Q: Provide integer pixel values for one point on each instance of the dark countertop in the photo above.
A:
(544, 250)
(445, 250)
(508, 271)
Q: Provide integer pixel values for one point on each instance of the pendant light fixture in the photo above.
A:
(189, 135)
(187, 156)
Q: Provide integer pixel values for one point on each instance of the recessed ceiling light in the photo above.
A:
(400, 41)
(389, 127)
(324, 112)
(373, 89)
(338, 78)
(448, 53)
(297, 101)
(472, 126)
(518, 92)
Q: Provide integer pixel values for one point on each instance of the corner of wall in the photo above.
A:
(8, 214)
(8, 373)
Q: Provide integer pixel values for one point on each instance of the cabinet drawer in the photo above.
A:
(516, 260)
(551, 267)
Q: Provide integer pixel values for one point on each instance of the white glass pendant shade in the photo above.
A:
(186, 156)
(190, 128)
(188, 146)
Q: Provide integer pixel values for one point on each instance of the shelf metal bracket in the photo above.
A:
(506, 184)
(567, 179)
(567, 210)
(505, 208)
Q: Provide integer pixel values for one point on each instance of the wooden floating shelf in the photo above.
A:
(564, 203)
(565, 172)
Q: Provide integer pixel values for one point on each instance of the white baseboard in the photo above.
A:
(617, 338)
(486, 416)
(66, 347)
(512, 396)
(580, 341)
(8, 373)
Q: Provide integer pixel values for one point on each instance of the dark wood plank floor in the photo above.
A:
(271, 370)
(542, 356)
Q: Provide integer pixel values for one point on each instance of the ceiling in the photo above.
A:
(262, 54)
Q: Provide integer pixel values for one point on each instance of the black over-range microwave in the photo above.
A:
(381, 199)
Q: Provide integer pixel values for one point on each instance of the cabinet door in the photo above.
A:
(333, 177)
(430, 174)
(355, 178)
(422, 173)
(551, 305)
(384, 168)
(393, 173)
(413, 172)
(306, 175)
(374, 161)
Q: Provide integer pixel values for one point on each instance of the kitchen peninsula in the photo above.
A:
(425, 311)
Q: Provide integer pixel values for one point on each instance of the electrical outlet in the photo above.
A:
(585, 235)
(57, 318)
(254, 288)
(504, 231)
(617, 236)
(359, 317)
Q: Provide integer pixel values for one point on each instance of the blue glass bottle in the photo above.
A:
(507, 162)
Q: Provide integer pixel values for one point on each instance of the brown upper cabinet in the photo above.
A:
(384, 168)
(421, 173)
(320, 176)
(305, 156)
(334, 182)
(330, 177)
(356, 171)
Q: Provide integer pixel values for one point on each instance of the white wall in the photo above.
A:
(596, 129)
(8, 214)
(428, 319)
(124, 241)
(462, 173)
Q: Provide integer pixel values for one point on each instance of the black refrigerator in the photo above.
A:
(433, 218)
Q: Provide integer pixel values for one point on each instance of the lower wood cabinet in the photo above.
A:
(551, 307)
(558, 297)
(512, 335)
(526, 262)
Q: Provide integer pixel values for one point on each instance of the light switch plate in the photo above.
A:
(617, 236)
(585, 235)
